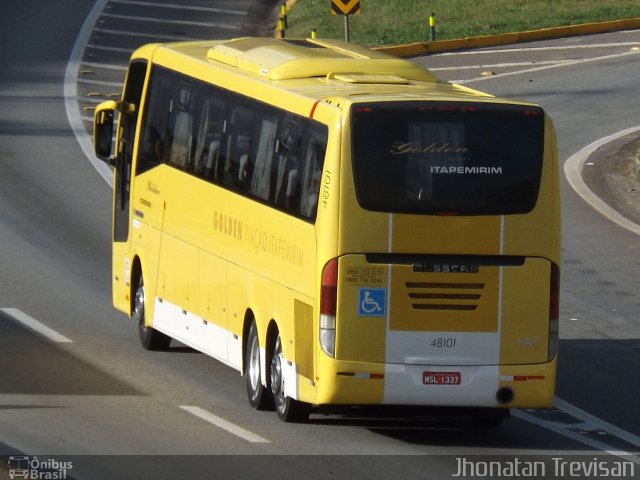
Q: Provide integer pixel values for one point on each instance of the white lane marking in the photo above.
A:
(72, 107)
(179, 7)
(597, 422)
(93, 100)
(498, 65)
(540, 49)
(569, 63)
(154, 36)
(34, 324)
(573, 171)
(109, 66)
(567, 431)
(174, 22)
(103, 83)
(579, 431)
(224, 424)
(110, 49)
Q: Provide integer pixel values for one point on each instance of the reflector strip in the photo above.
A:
(524, 378)
(520, 378)
(365, 376)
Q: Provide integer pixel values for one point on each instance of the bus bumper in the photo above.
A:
(504, 386)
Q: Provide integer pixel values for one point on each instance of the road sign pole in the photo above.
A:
(346, 28)
(432, 27)
(346, 8)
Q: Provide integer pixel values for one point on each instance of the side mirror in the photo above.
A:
(103, 130)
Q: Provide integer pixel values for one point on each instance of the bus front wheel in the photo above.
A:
(150, 338)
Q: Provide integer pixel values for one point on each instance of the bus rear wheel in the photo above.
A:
(287, 409)
(259, 396)
(150, 338)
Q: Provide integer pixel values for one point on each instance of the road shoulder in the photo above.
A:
(610, 173)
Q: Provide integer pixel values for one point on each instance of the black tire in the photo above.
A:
(150, 338)
(259, 396)
(287, 409)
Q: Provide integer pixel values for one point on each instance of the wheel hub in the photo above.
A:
(277, 380)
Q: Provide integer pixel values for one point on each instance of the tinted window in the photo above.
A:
(437, 158)
(239, 143)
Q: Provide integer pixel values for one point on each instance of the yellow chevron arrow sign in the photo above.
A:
(345, 7)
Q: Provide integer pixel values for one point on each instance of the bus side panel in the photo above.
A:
(213, 301)
(525, 313)
(121, 271)
(303, 341)
(178, 272)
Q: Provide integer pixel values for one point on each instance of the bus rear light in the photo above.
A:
(329, 292)
(328, 305)
(328, 335)
(554, 311)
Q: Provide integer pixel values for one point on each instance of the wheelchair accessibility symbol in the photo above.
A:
(372, 302)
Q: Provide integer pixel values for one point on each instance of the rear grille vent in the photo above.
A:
(444, 296)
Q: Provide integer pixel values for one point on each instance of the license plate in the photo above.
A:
(441, 378)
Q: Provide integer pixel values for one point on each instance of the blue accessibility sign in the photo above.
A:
(372, 302)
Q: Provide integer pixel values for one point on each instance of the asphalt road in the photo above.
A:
(96, 398)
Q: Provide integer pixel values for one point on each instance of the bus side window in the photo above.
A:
(238, 149)
(287, 191)
(182, 138)
(262, 170)
(155, 127)
(314, 156)
(209, 138)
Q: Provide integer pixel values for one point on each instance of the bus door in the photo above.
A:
(129, 117)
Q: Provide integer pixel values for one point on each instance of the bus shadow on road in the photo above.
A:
(465, 428)
(33, 365)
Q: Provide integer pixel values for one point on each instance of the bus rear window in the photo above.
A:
(447, 158)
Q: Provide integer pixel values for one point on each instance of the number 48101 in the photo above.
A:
(444, 342)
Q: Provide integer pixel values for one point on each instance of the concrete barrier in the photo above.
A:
(425, 48)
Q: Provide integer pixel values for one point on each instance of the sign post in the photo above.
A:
(346, 8)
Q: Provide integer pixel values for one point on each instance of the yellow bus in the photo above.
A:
(336, 224)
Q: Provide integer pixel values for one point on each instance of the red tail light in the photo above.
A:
(328, 301)
(329, 289)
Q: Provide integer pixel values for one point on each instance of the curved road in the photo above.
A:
(94, 396)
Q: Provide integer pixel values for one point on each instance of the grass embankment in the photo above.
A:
(392, 22)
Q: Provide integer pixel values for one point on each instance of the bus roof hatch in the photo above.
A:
(285, 59)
